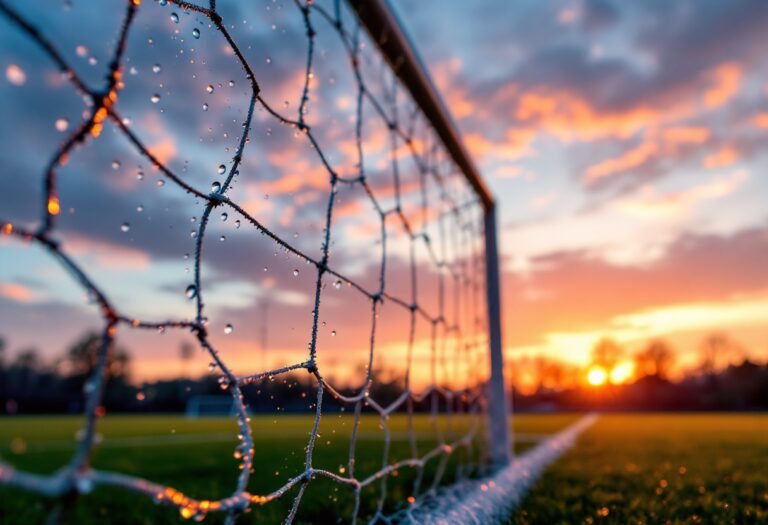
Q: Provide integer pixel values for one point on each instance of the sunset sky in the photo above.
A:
(623, 141)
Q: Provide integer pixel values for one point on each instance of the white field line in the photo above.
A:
(492, 499)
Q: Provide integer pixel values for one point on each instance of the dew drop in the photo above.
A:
(231, 83)
(175, 18)
(205, 107)
(333, 333)
(269, 60)
(115, 164)
(156, 68)
(228, 329)
(196, 33)
(139, 208)
(209, 88)
(295, 272)
(212, 366)
(224, 217)
(337, 285)
(215, 187)
(191, 291)
(237, 224)
(125, 227)
(221, 169)
(155, 98)
(223, 238)
(62, 124)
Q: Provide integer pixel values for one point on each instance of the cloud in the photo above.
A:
(648, 203)
(722, 158)
(629, 159)
(726, 83)
(17, 292)
(576, 291)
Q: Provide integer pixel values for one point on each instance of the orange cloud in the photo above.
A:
(649, 204)
(727, 81)
(508, 172)
(516, 144)
(724, 157)
(108, 255)
(628, 160)
(164, 150)
(760, 120)
(17, 292)
(686, 135)
(457, 99)
(569, 117)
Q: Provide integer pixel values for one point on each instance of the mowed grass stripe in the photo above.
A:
(658, 468)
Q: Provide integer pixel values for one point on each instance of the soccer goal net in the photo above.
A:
(295, 155)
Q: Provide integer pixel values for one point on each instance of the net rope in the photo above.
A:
(459, 223)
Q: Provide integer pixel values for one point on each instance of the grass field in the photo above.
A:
(627, 469)
(649, 469)
(196, 456)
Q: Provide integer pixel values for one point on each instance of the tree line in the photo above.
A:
(723, 379)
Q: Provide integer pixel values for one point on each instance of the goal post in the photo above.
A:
(381, 23)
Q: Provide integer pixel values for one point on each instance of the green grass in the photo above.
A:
(649, 469)
(197, 458)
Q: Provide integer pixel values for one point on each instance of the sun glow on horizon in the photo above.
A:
(597, 376)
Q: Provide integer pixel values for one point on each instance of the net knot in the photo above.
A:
(216, 198)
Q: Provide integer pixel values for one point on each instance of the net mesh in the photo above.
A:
(422, 214)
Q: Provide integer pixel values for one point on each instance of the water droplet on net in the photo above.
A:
(205, 107)
(175, 18)
(333, 333)
(237, 224)
(228, 329)
(224, 217)
(191, 291)
(196, 33)
(156, 68)
(295, 272)
(209, 88)
(215, 187)
(115, 164)
(62, 124)
(125, 227)
(155, 98)
(269, 60)
(221, 169)
(223, 238)
(212, 366)
(337, 285)
(231, 83)
(139, 208)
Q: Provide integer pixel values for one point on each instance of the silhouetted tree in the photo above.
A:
(607, 353)
(83, 356)
(655, 359)
(717, 352)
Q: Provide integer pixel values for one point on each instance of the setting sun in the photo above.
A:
(597, 376)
